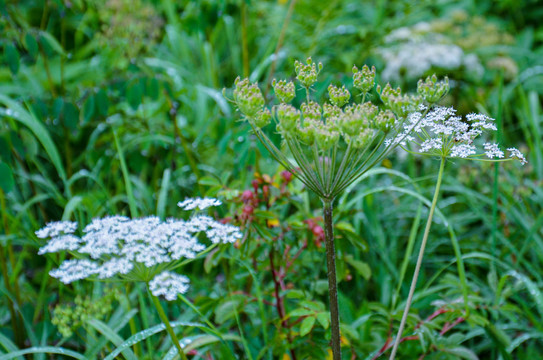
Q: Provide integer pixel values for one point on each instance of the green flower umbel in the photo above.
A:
(332, 143)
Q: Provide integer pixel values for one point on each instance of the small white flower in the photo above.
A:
(462, 150)
(61, 242)
(191, 204)
(54, 229)
(72, 270)
(431, 144)
(169, 285)
(113, 267)
(493, 151)
(516, 154)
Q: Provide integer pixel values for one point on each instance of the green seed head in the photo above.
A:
(284, 90)
(307, 73)
(263, 118)
(360, 140)
(364, 79)
(338, 96)
(312, 111)
(385, 120)
(248, 98)
(326, 137)
(432, 90)
(399, 104)
(288, 117)
(330, 111)
(306, 133)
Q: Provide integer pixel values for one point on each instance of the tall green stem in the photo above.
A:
(169, 328)
(419, 261)
(332, 281)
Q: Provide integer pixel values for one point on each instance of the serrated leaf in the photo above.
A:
(6, 178)
(307, 325)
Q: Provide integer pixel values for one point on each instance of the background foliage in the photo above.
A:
(115, 107)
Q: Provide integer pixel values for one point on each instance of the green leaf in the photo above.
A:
(12, 58)
(307, 325)
(28, 119)
(70, 207)
(112, 336)
(70, 116)
(209, 181)
(153, 89)
(324, 319)
(142, 335)
(301, 312)
(52, 42)
(31, 45)
(102, 103)
(134, 94)
(88, 109)
(44, 350)
(361, 267)
(226, 310)
(462, 352)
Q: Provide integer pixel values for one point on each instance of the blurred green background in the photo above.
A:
(116, 107)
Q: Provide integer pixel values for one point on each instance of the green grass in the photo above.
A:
(88, 128)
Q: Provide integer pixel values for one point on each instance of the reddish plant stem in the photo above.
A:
(278, 280)
(448, 326)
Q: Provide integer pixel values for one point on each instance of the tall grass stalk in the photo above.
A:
(419, 260)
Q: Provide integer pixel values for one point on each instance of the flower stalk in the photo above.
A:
(332, 278)
(169, 328)
(419, 260)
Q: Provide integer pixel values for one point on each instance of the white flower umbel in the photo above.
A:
(120, 247)
(56, 228)
(441, 132)
(202, 204)
(72, 270)
(169, 285)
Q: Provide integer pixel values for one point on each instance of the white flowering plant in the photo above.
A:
(137, 250)
(441, 133)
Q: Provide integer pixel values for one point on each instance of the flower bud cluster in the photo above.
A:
(288, 117)
(284, 90)
(399, 104)
(307, 73)
(338, 96)
(68, 318)
(432, 90)
(248, 98)
(364, 79)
